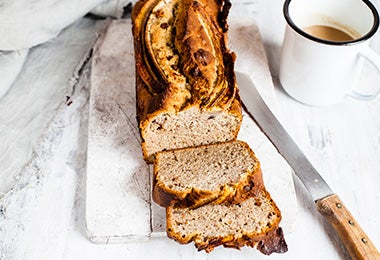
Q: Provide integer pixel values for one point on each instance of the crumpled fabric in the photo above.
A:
(41, 42)
(25, 24)
(11, 63)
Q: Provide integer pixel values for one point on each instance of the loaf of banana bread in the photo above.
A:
(185, 82)
(189, 115)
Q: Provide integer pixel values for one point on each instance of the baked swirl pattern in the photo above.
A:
(183, 45)
(183, 64)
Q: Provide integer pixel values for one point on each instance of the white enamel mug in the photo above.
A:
(320, 72)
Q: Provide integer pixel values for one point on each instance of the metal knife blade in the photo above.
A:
(285, 145)
(328, 204)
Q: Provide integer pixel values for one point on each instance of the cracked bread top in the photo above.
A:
(184, 74)
(183, 43)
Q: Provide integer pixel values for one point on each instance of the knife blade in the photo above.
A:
(328, 204)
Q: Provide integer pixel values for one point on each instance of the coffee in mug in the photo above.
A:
(328, 33)
(324, 47)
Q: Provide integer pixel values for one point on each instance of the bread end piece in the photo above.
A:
(253, 223)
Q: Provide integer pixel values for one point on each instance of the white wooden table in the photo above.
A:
(342, 141)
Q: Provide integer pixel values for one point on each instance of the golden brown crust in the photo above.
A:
(268, 241)
(248, 186)
(272, 242)
(200, 41)
(199, 29)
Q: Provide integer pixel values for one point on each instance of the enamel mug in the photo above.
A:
(319, 71)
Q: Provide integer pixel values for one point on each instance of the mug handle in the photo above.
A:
(374, 59)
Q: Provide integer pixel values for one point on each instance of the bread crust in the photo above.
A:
(249, 185)
(211, 84)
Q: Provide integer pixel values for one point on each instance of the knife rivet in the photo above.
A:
(351, 222)
(338, 205)
(364, 240)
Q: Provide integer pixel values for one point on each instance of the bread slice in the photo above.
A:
(185, 82)
(254, 221)
(224, 172)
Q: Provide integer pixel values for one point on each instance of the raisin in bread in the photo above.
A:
(185, 82)
(224, 172)
(253, 222)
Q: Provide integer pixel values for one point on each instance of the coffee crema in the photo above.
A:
(328, 33)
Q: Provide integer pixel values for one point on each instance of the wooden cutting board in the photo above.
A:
(119, 207)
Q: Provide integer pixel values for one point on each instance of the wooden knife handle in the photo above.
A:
(352, 235)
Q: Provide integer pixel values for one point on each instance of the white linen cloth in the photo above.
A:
(24, 24)
(10, 65)
(35, 68)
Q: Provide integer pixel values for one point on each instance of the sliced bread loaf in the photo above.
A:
(224, 172)
(254, 221)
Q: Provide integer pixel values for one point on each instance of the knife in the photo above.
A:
(328, 204)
